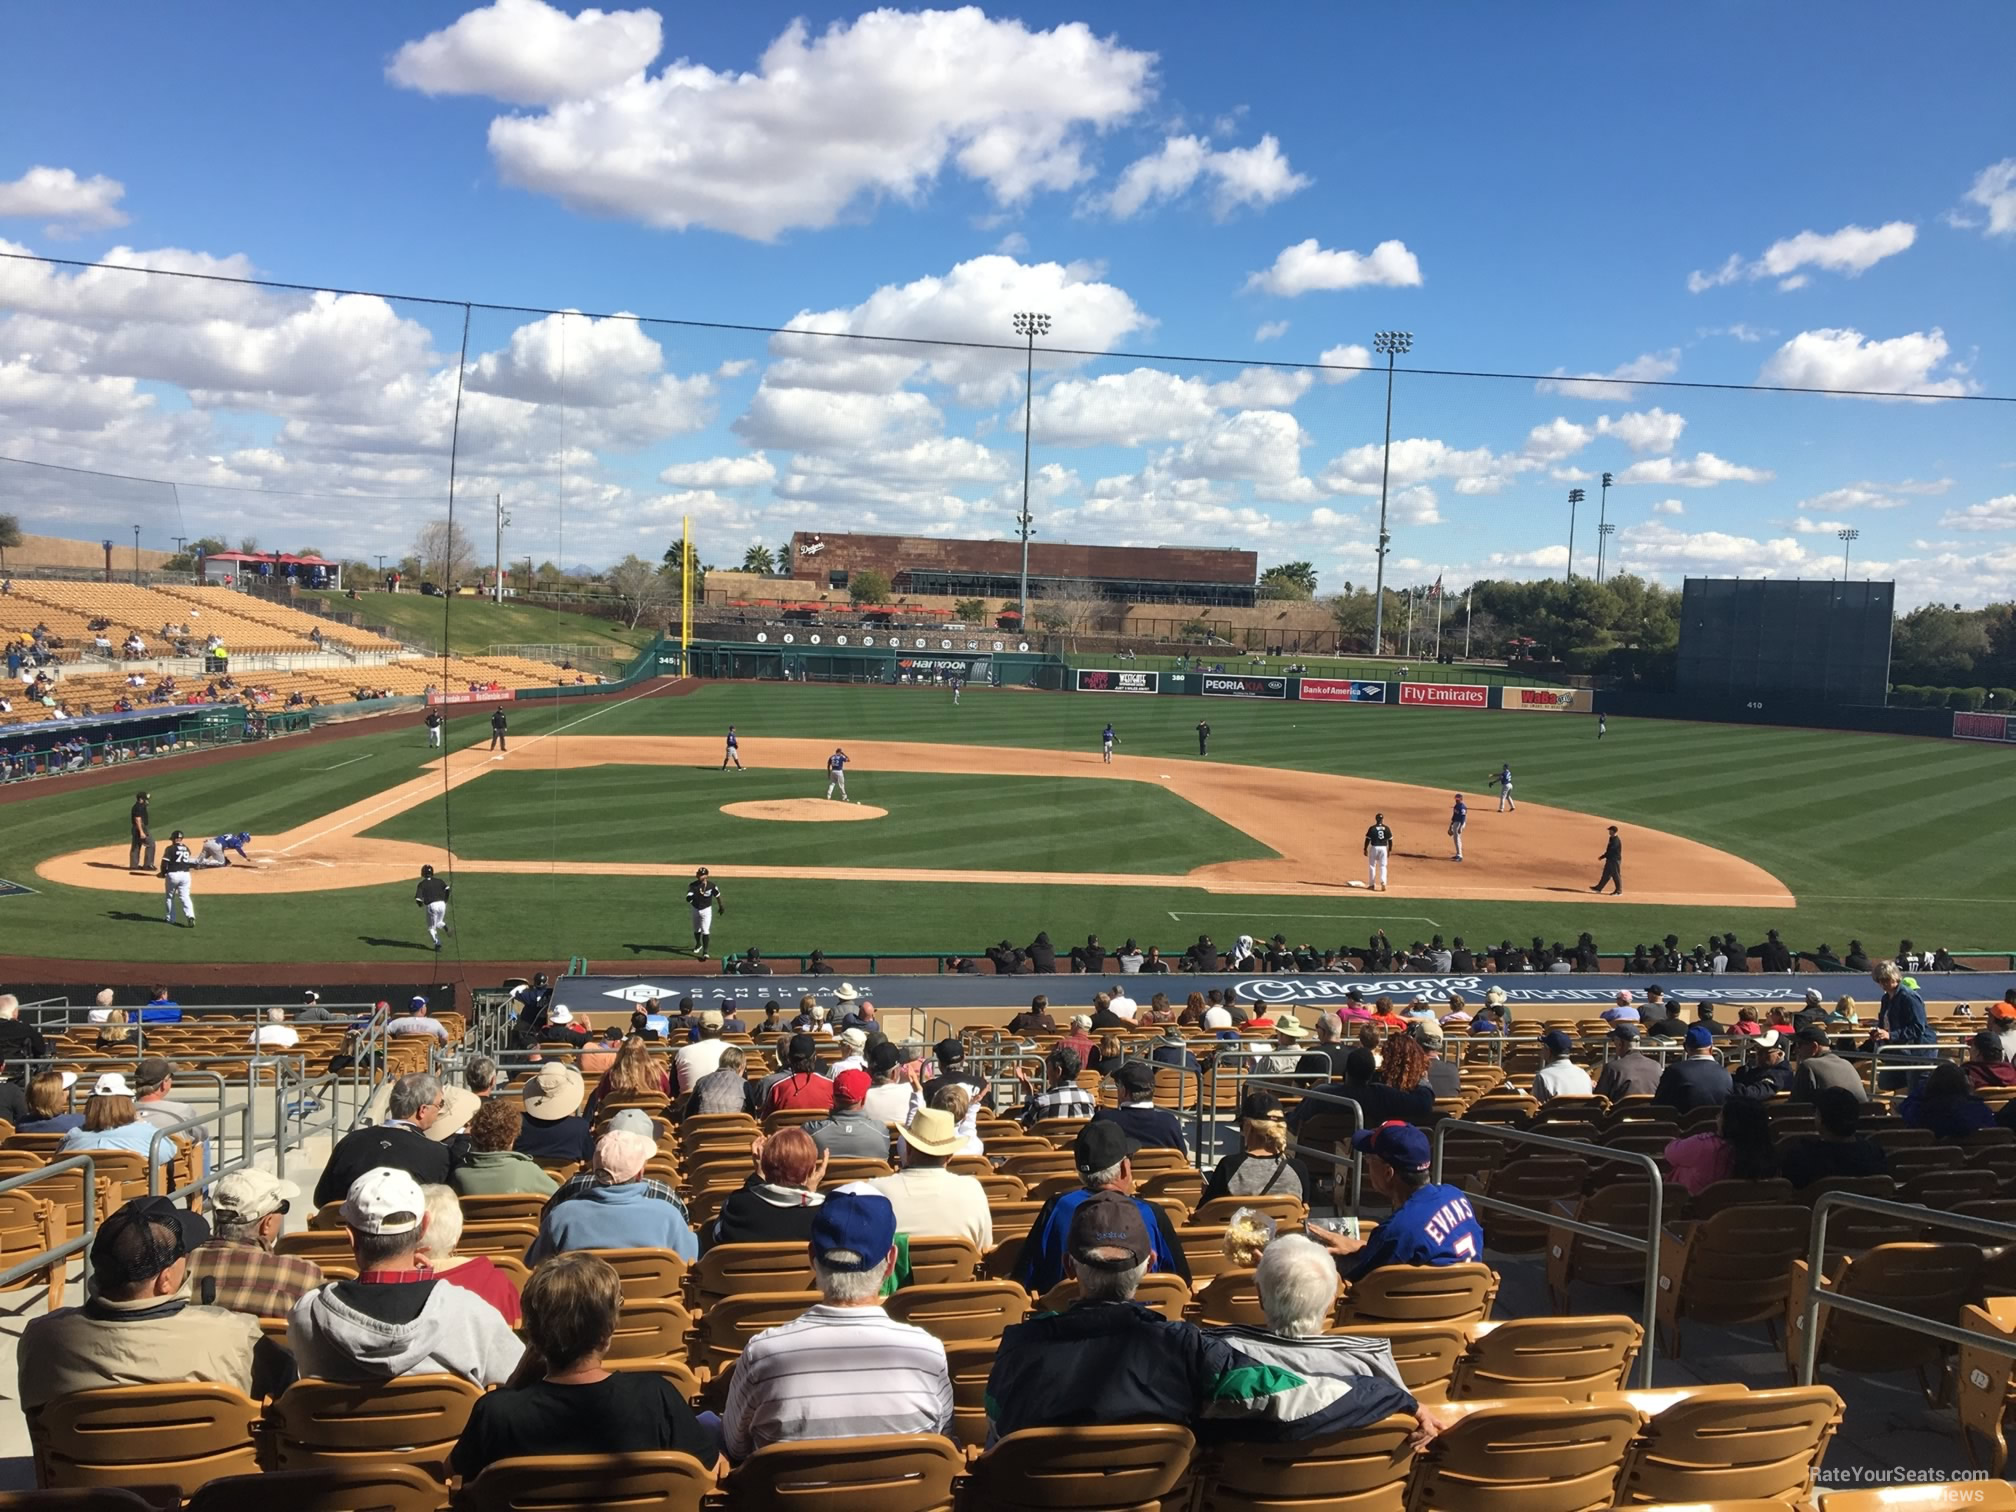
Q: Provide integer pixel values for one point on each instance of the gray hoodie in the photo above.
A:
(375, 1330)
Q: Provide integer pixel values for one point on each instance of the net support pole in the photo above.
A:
(685, 595)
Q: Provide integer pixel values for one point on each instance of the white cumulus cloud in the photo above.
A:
(1556, 439)
(1669, 507)
(874, 108)
(1846, 359)
(720, 472)
(60, 196)
(1994, 190)
(1342, 359)
(1236, 178)
(1996, 514)
(1852, 250)
(1271, 330)
(1702, 470)
(527, 53)
(1653, 430)
(1616, 384)
(1307, 268)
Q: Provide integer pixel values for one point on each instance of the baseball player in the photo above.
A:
(1459, 816)
(836, 774)
(215, 849)
(1503, 782)
(1203, 737)
(176, 862)
(703, 897)
(1107, 740)
(1378, 845)
(1613, 864)
(957, 684)
(733, 753)
(1602, 725)
(432, 895)
(433, 723)
(498, 725)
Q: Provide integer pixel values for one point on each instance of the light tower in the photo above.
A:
(1029, 324)
(1392, 343)
(1846, 536)
(1575, 497)
(1602, 525)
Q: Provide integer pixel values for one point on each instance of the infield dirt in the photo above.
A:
(1314, 822)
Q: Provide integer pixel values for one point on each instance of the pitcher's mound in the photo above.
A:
(803, 810)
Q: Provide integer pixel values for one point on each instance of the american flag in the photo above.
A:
(1436, 591)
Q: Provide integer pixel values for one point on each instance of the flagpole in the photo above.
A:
(1438, 617)
(1466, 620)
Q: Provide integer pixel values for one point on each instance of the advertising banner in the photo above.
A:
(1446, 695)
(1245, 687)
(1551, 700)
(1983, 726)
(473, 696)
(1099, 680)
(1341, 690)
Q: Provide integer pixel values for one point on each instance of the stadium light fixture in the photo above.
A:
(1029, 324)
(1602, 528)
(1392, 343)
(1846, 536)
(1575, 497)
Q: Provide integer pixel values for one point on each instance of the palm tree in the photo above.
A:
(10, 535)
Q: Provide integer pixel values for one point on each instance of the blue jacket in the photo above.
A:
(1040, 1265)
(1693, 1083)
(1903, 1014)
(1146, 1128)
(629, 1216)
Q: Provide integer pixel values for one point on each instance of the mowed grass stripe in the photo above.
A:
(966, 822)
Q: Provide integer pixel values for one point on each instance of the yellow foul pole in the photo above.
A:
(686, 595)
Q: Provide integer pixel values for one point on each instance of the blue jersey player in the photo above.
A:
(1459, 816)
(216, 848)
(1503, 782)
(733, 753)
(1432, 1224)
(1107, 740)
(836, 774)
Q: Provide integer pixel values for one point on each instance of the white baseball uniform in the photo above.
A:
(175, 867)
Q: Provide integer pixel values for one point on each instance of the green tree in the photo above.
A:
(1936, 644)
(248, 544)
(10, 536)
(784, 559)
(1290, 580)
(869, 587)
(970, 608)
(759, 559)
(675, 554)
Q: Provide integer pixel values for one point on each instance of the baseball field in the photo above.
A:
(998, 818)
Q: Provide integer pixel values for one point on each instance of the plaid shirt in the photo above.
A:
(249, 1278)
(1068, 1101)
(583, 1182)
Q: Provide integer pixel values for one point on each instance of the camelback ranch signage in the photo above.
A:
(1222, 686)
(1446, 695)
(1100, 680)
(1341, 690)
(1551, 700)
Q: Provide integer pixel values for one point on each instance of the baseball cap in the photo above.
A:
(151, 1072)
(1109, 1221)
(1768, 1040)
(1813, 995)
(710, 1018)
(1813, 1034)
(1623, 997)
(2002, 1010)
(1624, 1031)
(633, 1121)
(854, 1039)
(948, 1050)
(1427, 1030)
(554, 1093)
(1557, 1042)
(418, 1000)
(1135, 1078)
(312, 997)
(1699, 1036)
(384, 1200)
(1400, 1145)
(1100, 1144)
(111, 1084)
(852, 1086)
(247, 1195)
(128, 1249)
(860, 1224)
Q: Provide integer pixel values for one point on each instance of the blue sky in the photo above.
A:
(1823, 195)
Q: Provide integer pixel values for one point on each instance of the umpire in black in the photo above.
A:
(498, 725)
(1613, 864)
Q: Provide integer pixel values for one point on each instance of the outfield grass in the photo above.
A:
(476, 624)
(1879, 836)
(978, 823)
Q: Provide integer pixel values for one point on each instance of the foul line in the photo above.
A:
(1334, 918)
(341, 764)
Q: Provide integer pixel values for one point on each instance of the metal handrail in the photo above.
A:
(1655, 1217)
(81, 1245)
(1338, 1100)
(1232, 1057)
(1816, 1258)
(209, 1170)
